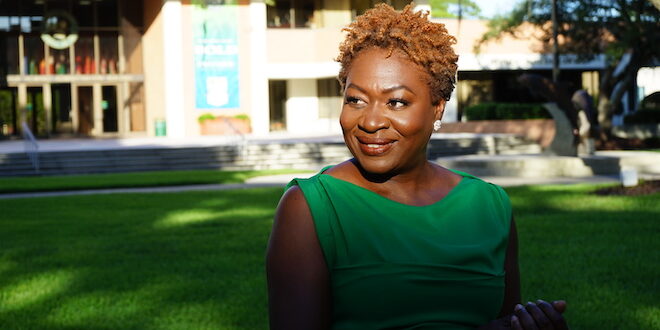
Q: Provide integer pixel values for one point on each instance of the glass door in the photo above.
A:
(85, 109)
(35, 116)
(109, 108)
(61, 109)
(8, 113)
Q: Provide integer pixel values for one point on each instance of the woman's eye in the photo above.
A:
(397, 103)
(353, 100)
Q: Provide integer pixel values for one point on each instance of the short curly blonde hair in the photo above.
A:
(426, 43)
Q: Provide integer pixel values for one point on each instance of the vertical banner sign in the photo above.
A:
(215, 42)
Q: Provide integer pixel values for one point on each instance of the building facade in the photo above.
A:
(123, 68)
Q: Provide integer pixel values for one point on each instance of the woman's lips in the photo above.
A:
(374, 147)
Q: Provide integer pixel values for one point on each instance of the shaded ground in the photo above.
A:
(644, 188)
(615, 143)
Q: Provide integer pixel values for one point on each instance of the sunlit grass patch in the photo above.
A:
(597, 252)
(195, 260)
(34, 288)
(134, 179)
(179, 260)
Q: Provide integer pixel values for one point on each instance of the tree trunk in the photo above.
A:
(611, 91)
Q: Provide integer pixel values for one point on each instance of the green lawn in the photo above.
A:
(135, 179)
(194, 260)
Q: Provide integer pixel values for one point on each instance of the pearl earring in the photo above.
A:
(436, 125)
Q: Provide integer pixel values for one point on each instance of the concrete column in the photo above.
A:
(302, 106)
(173, 68)
(48, 107)
(22, 104)
(260, 114)
(123, 106)
(74, 108)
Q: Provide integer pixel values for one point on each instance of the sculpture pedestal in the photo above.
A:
(563, 144)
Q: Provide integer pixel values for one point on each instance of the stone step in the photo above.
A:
(530, 166)
(257, 155)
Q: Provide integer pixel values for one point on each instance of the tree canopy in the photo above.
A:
(454, 9)
(625, 31)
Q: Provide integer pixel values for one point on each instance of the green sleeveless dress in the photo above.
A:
(393, 265)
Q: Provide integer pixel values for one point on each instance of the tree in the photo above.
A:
(624, 31)
(454, 9)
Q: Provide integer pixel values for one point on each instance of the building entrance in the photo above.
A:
(61, 109)
(96, 109)
(69, 67)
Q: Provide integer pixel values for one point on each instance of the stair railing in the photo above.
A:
(31, 147)
(242, 140)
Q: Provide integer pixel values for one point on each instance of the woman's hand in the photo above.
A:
(540, 315)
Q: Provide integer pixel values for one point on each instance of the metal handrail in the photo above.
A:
(243, 140)
(31, 146)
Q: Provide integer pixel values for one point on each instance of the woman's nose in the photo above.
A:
(373, 119)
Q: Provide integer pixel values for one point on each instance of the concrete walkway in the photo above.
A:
(283, 179)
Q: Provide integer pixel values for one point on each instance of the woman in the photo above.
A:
(389, 239)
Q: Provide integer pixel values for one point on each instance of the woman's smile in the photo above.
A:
(371, 146)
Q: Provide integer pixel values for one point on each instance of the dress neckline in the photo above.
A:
(451, 192)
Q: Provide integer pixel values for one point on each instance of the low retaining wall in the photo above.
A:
(539, 130)
(639, 131)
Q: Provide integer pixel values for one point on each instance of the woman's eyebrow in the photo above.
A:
(386, 90)
(352, 85)
(397, 87)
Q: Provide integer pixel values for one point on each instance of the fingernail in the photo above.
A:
(514, 319)
(540, 301)
(518, 307)
(529, 303)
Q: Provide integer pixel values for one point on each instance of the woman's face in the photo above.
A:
(387, 117)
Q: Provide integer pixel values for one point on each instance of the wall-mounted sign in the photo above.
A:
(59, 29)
(215, 46)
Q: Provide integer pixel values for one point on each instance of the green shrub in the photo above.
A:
(651, 102)
(242, 117)
(503, 111)
(205, 117)
(644, 116)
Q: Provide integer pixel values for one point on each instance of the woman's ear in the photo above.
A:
(439, 109)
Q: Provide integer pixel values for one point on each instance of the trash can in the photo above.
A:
(161, 127)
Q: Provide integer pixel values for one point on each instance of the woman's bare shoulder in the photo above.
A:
(292, 206)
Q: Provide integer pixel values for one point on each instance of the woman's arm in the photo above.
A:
(513, 315)
(298, 281)
(512, 273)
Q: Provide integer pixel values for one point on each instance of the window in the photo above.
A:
(9, 60)
(277, 100)
(84, 49)
(60, 60)
(35, 62)
(290, 14)
(109, 52)
(360, 6)
(96, 50)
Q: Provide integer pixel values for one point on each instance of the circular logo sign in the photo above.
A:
(59, 29)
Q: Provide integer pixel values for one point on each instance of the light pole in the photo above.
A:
(555, 45)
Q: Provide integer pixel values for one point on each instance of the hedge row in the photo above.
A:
(503, 111)
(642, 116)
